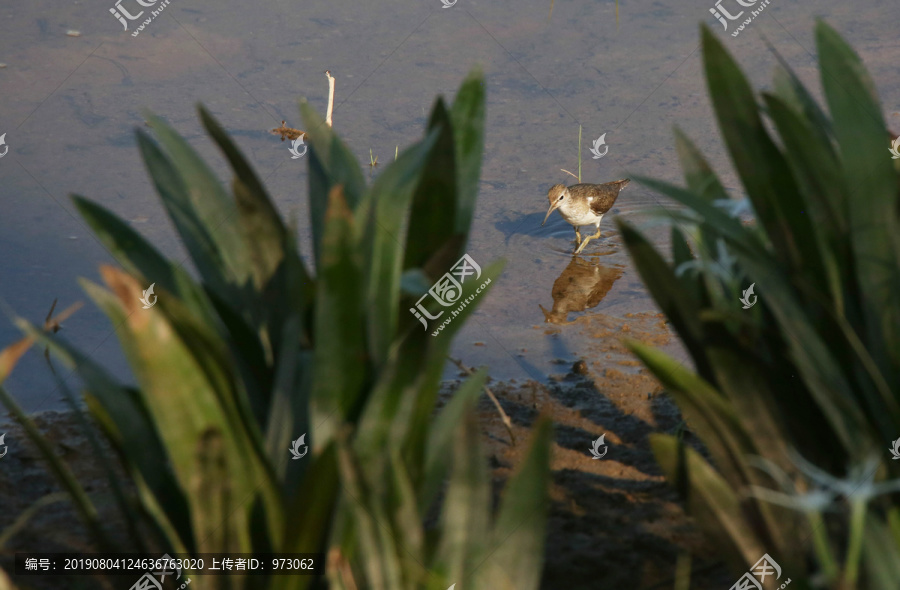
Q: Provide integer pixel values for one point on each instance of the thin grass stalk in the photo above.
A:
(821, 545)
(131, 518)
(579, 153)
(506, 421)
(683, 571)
(20, 522)
(854, 547)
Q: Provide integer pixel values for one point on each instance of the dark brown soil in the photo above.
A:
(614, 522)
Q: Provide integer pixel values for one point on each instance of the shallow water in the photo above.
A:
(69, 104)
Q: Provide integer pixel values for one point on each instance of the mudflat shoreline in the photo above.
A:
(615, 510)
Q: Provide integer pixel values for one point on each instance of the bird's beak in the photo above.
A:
(549, 211)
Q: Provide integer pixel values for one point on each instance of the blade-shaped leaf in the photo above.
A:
(711, 500)
(862, 139)
(391, 195)
(759, 162)
(519, 533)
(140, 258)
(467, 114)
(466, 508)
(430, 224)
(340, 320)
(207, 199)
(330, 164)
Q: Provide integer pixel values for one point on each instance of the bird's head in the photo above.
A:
(557, 195)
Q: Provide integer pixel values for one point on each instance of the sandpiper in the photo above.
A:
(584, 204)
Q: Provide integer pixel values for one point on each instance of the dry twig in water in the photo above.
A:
(506, 421)
(330, 97)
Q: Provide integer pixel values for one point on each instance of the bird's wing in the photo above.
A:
(605, 195)
(602, 199)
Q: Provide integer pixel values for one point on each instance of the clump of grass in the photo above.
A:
(237, 359)
(796, 399)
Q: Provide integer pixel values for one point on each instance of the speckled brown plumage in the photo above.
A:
(584, 204)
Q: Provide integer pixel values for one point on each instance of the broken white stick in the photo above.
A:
(330, 97)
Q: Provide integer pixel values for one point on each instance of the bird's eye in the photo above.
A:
(560, 198)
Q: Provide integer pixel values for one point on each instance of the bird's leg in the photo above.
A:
(577, 235)
(586, 240)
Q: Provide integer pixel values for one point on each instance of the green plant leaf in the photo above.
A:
(759, 162)
(176, 196)
(711, 500)
(378, 558)
(467, 114)
(331, 163)
(520, 529)
(818, 172)
(435, 198)
(666, 290)
(789, 88)
(879, 556)
(407, 520)
(698, 174)
(819, 368)
(339, 321)
(705, 410)
(440, 436)
(206, 199)
(183, 375)
(311, 511)
(122, 415)
(83, 504)
(465, 517)
(391, 194)
(289, 415)
(862, 140)
(414, 419)
(140, 258)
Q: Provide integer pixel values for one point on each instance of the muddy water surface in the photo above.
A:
(75, 83)
(69, 104)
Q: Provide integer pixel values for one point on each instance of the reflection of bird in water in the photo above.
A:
(581, 286)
